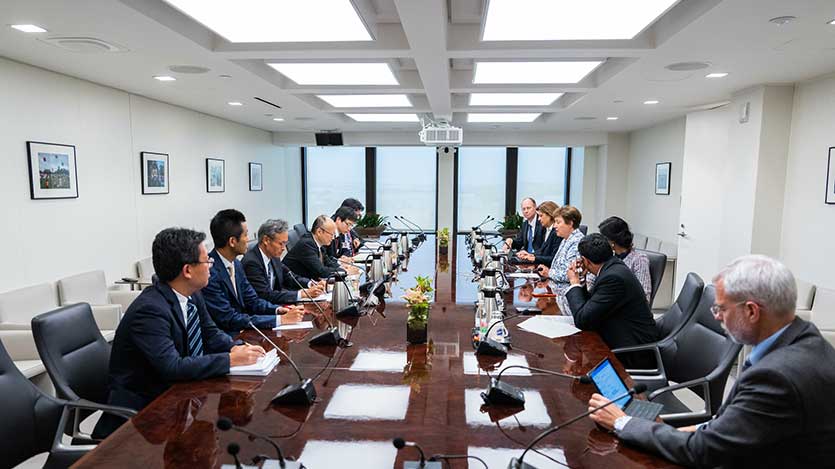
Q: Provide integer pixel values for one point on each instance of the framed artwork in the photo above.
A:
(662, 178)
(255, 182)
(155, 174)
(215, 175)
(830, 177)
(52, 171)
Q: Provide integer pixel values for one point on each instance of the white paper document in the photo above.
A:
(262, 367)
(323, 297)
(290, 327)
(550, 326)
(525, 275)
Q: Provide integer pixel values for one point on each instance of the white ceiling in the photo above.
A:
(431, 46)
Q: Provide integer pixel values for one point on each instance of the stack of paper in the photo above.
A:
(322, 297)
(296, 325)
(550, 326)
(262, 367)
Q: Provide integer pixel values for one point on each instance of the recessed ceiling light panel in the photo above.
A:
(611, 118)
(278, 119)
(513, 99)
(28, 28)
(366, 100)
(337, 73)
(384, 117)
(716, 75)
(235, 103)
(502, 117)
(550, 20)
(532, 72)
(652, 101)
(278, 21)
(164, 78)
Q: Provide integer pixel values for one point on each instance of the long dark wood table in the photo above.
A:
(380, 388)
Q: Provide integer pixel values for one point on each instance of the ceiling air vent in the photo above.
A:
(87, 45)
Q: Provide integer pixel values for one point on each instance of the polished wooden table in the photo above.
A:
(380, 388)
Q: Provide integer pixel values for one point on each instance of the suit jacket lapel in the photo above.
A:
(278, 274)
(224, 274)
(174, 303)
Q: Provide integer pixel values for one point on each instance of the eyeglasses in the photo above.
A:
(716, 309)
(328, 232)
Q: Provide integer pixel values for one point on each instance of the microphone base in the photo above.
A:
(514, 464)
(326, 338)
(426, 465)
(492, 348)
(303, 393)
(270, 463)
(349, 312)
(503, 394)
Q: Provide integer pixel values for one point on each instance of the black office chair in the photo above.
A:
(32, 419)
(702, 363)
(300, 229)
(292, 238)
(657, 265)
(584, 229)
(669, 326)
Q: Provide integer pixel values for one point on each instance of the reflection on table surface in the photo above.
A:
(379, 388)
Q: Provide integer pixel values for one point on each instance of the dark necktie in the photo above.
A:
(195, 338)
(530, 237)
(746, 364)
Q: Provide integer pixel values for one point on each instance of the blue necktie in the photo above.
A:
(195, 338)
(530, 238)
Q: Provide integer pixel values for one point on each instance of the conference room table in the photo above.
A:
(380, 387)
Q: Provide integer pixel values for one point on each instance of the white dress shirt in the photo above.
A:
(183, 305)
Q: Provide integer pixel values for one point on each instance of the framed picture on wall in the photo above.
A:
(662, 178)
(215, 175)
(255, 182)
(155, 173)
(830, 177)
(52, 171)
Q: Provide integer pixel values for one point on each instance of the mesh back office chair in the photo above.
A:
(657, 265)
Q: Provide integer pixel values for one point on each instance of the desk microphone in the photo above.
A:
(421, 235)
(500, 393)
(400, 443)
(224, 424)
(519, 464)
(492, 347)
(233, 449)
(328, 337)
(301, 393)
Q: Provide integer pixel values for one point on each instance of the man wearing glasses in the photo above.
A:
(780, 413)
(343, 246)
(309, 257)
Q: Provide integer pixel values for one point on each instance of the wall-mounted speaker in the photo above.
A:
(328, 139)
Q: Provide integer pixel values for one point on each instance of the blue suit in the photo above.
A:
(233, 312)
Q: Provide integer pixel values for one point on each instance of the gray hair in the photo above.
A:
(271, 228)
(760, 279)
(319, 222)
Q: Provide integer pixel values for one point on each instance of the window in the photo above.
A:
(541, 174)
(578, 158)
(333, 175)
(406, 184)
(481, 185)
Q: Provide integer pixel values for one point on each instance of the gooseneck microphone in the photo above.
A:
(301, 393)
(224, 424)
(331, 335)
(400, 443)
(501, 393)
(492, 347)
(421, 235)
(233, 449)
(519, 463)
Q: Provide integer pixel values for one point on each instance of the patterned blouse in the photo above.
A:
(638, 263)
(566, 254)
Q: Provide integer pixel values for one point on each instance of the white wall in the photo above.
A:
(648, 213)
(612, 169)
(111, 224)
(808, 223)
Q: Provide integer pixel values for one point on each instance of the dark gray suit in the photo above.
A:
(781, 413)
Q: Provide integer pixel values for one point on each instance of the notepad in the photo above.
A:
(262, 367)
(526, 275)
(298, 325)
(323, 297)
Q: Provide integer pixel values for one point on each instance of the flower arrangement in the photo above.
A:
(443, 238)
(417, 298)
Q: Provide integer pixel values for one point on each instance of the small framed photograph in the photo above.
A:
(52, 171)
(255, 182)
(662, 178)
(155, 173)
(215, 175)
(830, 177)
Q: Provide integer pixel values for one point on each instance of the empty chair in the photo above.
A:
(91, 287)
(300, 229)
(639, 241)
(292, 238)
(653, 244)
(805, 299)
(145, 269)
(17, 308)
(31, 420)
(702, 362)
(657, 264)
(669, 326)
(823, 313)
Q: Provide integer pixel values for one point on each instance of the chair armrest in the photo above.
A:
(686, 417)
(123, 298)
(75, 408)
(11, 326)
(107, 316)
(20, 345)
(659, 364)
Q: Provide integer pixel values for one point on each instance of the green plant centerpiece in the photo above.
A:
(510, 226)
(371, 224)
(443, 242)
(417, 299)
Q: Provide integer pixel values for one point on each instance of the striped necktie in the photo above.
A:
(195, 338)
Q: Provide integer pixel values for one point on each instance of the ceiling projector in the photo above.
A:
(440, 133)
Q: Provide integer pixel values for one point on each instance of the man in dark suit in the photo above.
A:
(531, 233)
(358, 208)
(309, 257)
(343, 246)
(616, 308)
(166, 334)
(271, 279)
(780, 412)
(230, 299)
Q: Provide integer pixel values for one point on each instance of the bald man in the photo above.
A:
(309, 257)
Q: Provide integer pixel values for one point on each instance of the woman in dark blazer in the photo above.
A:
(547, 213)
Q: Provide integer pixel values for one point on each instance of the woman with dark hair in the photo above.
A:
(616, 230)
(544, 254)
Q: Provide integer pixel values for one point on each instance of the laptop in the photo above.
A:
(610, 386)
